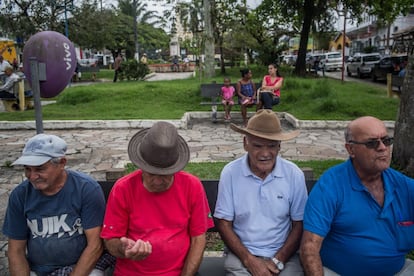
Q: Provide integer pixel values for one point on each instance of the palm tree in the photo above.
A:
(138, 11)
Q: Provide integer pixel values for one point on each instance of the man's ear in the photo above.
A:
(349, 149)
(63, 161)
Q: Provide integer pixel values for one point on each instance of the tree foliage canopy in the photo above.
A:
(88, 26)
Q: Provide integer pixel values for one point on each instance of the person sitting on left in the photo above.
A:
(6, 90)
(54, 217)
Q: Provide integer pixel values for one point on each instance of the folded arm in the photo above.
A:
(276, 86)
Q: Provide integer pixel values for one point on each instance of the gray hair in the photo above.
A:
(55, 160)
(348, 134)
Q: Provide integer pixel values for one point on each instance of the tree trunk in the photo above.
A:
(222, 64)
(403, 150)
(209, 40)
(300, 67)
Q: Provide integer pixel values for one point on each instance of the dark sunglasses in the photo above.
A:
(374, 144)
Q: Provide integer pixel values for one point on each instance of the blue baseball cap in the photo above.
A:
(40, 149)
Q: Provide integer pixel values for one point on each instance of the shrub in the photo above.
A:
(133, 70)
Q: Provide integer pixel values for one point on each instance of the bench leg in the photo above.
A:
(8, 105)
(214, 113)
(29, 103)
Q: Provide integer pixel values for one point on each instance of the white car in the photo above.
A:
(289, 59)
(362, 64)
(331, 61)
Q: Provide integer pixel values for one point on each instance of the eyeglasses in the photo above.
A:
(374, 144)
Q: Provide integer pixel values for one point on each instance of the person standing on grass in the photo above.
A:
(227, 93)
(117, 66)
(359, 219)
(269, 93)
(157, 217)
(246, 91)
(260, 203)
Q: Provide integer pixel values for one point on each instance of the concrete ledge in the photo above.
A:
(179, 123)
(86, 124)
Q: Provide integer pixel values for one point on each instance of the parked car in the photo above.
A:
(362, 64)
(389, 64)
(312, 58)
(289, 59)
(331, 61)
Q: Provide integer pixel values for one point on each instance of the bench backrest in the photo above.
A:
(210, 186)
(211, 90)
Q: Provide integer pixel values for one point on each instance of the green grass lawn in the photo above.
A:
(305, 98)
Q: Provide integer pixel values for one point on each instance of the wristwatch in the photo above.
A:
(280, 266)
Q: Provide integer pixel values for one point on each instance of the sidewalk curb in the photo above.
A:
(179, 123)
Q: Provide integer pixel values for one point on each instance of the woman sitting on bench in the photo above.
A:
(269, 93)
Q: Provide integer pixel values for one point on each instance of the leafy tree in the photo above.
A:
(403, 150)
(266, 28)
(23, 18)
(225, 14)
(323, 12)
(92, 28)
(192, 19)
(137, 11)
(197, 16)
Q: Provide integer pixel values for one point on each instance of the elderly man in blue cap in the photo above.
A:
(54, 217)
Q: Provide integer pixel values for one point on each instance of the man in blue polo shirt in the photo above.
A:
(260, 203)
(359, 219)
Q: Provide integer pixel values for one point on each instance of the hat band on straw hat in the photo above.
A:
(265, 124)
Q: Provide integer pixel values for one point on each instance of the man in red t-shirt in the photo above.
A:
(157, 216)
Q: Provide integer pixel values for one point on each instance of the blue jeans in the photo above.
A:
(269, 100)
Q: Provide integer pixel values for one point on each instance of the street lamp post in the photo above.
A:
(66, 22)
(343, 48)
(66, 9)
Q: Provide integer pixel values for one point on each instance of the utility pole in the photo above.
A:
(135, 7)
